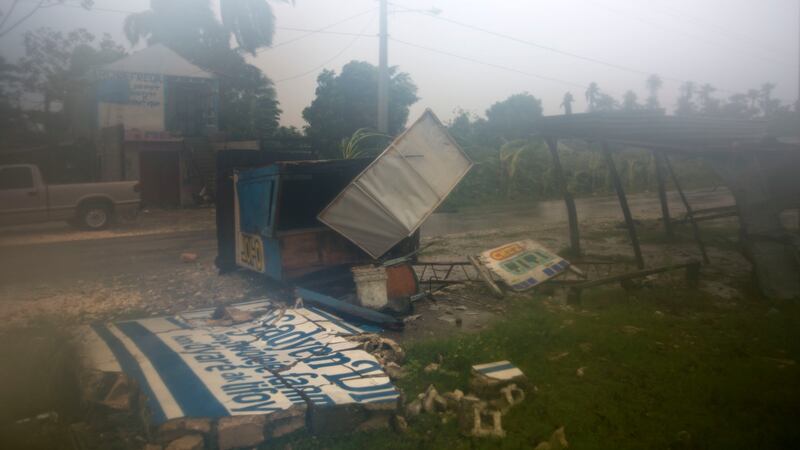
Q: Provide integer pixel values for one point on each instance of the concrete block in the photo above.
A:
(281, 423)
(176, 428)
(189, 442)
(240, 431)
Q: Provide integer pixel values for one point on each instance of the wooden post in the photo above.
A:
(689, 212)
(623, 202)
(662, 193)
(572, 213)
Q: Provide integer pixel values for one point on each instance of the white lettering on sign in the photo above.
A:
(258, 367)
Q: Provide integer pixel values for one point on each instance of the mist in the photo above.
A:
(733, 45)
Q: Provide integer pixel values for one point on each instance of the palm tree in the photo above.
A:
(592, 94)
(566, 103)
(654, 84)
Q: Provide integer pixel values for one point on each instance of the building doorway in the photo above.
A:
(159, 172)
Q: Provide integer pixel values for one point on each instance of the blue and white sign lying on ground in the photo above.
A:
(189, 366)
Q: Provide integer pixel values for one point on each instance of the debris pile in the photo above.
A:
(237, 377)
(495, 388)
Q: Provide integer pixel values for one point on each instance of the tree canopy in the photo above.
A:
(248, 105)
(513, 117)
(348, 101)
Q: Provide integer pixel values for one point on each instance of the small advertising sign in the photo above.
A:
(523, 264)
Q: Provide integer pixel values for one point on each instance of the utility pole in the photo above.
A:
(383, 70)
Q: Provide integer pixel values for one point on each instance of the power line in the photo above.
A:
(539, 46)
(320, 30)
(551, 49)
(324, 63)
(488, 64)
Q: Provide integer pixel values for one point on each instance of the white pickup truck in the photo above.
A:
(25, 198)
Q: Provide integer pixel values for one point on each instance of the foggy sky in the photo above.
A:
(732, 44)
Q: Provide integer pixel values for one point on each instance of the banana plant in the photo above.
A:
(364, 142)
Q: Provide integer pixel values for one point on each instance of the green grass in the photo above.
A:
(695, 376)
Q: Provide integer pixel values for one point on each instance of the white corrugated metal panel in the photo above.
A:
(391, 198)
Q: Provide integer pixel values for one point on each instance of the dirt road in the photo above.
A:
(57, 272)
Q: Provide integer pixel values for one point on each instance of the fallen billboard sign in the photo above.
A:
(393, 196)
(523, 264)
(189, 365)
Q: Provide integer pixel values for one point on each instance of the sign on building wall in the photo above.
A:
(135, 101)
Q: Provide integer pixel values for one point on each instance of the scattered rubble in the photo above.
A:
(557, 441)
(385, 350)
(188, 257)
(480, 413)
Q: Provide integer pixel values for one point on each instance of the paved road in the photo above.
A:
(143, 256)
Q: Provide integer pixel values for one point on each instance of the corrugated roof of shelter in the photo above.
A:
(158, 59)
(653, 130)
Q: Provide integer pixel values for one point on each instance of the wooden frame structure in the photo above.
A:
(659, 134)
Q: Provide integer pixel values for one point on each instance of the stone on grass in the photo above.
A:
(240, 431)
(453, 399)
(399, 424)
(510, 396)
(189, 442)
(428, 401)
(414, 408)
(487, 379)
(557, 441)
(477, 420)
(394, 371)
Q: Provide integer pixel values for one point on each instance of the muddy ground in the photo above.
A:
(52, 272)
(54, 278)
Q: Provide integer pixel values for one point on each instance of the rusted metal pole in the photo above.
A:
(623, 202)
(662, 193)
(572, 212)
(689, 212)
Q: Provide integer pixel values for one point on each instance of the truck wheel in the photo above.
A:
(95, 216)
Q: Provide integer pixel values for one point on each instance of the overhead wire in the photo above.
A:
(552, 49)
(329, 60)
(488, 64)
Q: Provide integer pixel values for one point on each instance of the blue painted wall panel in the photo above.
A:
(256, 205)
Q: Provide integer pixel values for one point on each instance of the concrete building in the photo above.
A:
(153, 115)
